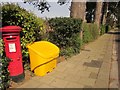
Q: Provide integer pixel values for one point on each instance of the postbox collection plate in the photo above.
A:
(12, 47)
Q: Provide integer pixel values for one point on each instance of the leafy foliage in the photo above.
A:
(114, 7)
(102, 29)
(66, 34)
(90, 11)
(32, 26)
(87, 36)
(90, 32)
(62, 2)
(4, 73)
(41, 5)
(113, 12)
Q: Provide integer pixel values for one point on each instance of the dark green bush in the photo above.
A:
(4, 73)
(66, 34)
(90, 32)
(31, 25)
(87, 36)
(94, 31)
(108, 28)
(102, 29)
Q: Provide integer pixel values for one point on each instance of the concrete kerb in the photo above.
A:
(114, 77)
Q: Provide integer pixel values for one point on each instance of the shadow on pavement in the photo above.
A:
(117, 32)
(117, 40)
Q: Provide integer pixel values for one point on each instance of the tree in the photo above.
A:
(113, 13)
(90, 11)
(43, 5)
(98, 13)
(78, 9)
(104, 12)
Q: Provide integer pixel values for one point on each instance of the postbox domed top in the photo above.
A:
(11, 29)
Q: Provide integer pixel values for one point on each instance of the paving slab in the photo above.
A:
(59, 83)
(93, 75)
(30, 84)
(87, 81)
(74, 85)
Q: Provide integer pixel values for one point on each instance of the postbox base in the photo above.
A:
(18, 78)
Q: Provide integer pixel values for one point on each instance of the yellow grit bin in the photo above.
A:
(43, 57)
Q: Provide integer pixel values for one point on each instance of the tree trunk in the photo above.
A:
(119, 18)
(78, 9)
(104, 14)
(98, 13)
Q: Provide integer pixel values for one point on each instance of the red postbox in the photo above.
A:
(11, 40)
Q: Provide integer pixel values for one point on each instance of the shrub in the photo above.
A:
(66, 34)
(94, 31)
(102, 29)
(31, 25)
(4, 73)
(109, 28)
(87, 36)
(105, 29)
(68, 51)
(90, 32)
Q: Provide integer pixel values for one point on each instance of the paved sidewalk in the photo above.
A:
(89, 69)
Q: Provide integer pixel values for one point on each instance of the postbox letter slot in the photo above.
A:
(11, 39)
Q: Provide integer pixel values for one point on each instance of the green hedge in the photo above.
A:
(32, 26)
(4, 73)
(90, 32)
(66, 34)
(102, 29)
(107, 28)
